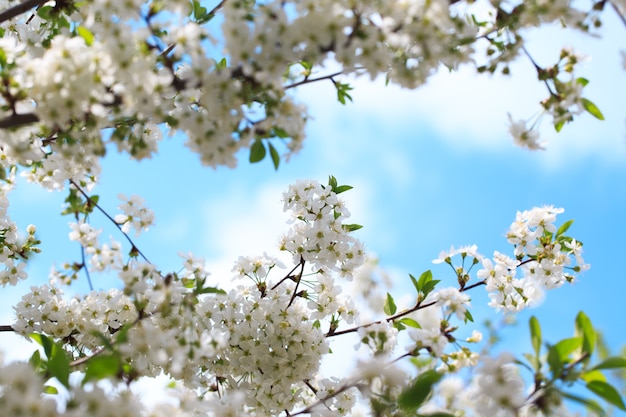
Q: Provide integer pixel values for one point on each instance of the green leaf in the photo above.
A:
(3, 57)
(410, 322)
(566, 346)
(415, 283)
(606, 392)
(44, 341)
(584, 329)
(49, 389)
(426, 277)
(430, 286)
(342, 92)
(468, 317)
(590, 404)
(592, 109)
(611, 363)
(257, 151)
(564, 227)
(86, 34)
(390, 306)
(535, 334)
(101, 367)
(342, 188)
(413, 396)
(44, 12)
(593, 375)
(221, 64)
(558, 355)
(351, 227)
(274, 154)
(582, 81)
(59, 365)
(211, 290)
(558, 126)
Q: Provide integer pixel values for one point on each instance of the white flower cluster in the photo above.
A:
(44, 310)
(273, 346)
(499, 388)
(134, 215)
(320, 236)
(545, 259)
(73, 72)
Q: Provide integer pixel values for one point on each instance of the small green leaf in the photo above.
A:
(606, 392)
(468, 317)
(101, 367)
(584, 329)
(430, 286)
(426, 277)
(49, 389)
(3, 57)
(592, 109)
(351, 227)
(415, 283)
(390, 306)
(410, 322)
(59, 366)
(44, 341)
(342, 188)
(564, 227)
(611, 363)
(582, 81)
(86, 34)
(535, 334)
(211, 290)
(593, 375)
(413, 396)
(566, 346)
(221, 64)
(558, 126)
(257, 151)
(274, 154)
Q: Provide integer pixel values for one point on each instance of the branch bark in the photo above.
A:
(18, 120)
(10, 13)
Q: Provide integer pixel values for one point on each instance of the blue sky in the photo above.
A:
(431, 168)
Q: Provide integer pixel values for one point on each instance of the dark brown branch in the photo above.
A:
(14, 11)
(312, 80)
(18, 120)
(5, 328)
(417, 306)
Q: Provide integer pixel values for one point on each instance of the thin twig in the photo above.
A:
(82, 255)
(312, 80)
(108, 216)
(5, 328)
(619, 13)
(10, 13)
(417, 306)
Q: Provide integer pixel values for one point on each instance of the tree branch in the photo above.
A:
(18, 120)
(5, 328)
(108, 216)
(14, 11)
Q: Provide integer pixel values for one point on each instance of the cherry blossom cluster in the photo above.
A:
(320, 236)
(80, 77)
(544, 257)
(15, 248)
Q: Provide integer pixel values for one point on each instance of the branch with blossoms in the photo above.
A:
(265, 340)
